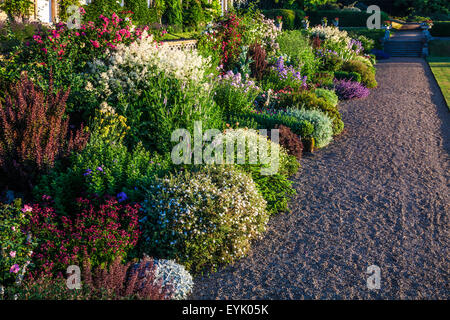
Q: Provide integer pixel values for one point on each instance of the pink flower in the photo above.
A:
(95, 44)
(13, 228)
(14, 268)
(27, 208)
(12, 254)
(44, 49)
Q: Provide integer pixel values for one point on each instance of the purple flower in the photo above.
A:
(100, 169)
(122, 196)
(88, 172)
(347, 89)
(14, 268)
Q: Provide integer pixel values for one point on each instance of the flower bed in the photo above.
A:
(94, 132)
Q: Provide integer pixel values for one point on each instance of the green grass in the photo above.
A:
(441, 70)
(181, 35)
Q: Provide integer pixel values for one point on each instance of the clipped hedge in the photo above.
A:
(353, 76)
(346, 18)
(291, 18)
(440, 29)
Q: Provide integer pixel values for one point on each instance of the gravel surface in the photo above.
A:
(378, 195)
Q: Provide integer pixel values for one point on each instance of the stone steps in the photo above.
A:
(404, 48)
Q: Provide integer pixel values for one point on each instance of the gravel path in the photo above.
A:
(379, 195)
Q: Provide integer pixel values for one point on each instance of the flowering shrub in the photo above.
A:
(346, 89)
(271, 178)
(323, 128)
(331, 61)
(330, 33)
(301, 55)
(16, 245)
(67, 51)
(203, 219)
(104, 167)
(174, 275)
(157, 89)
(283, 76)
(288, 73)
(96, 231)
(259, 29)
(34, 133)
(233, 94)
(128, 69)
(225, 37)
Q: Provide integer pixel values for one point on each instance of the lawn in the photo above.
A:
(441, 71)
(439, 62)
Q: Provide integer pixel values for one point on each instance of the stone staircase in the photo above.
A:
(405, 44)
(404, 48)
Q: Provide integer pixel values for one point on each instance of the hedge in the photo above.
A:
(440, 29)
(346, 18)
(291, 18)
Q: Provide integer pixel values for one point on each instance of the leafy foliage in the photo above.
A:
(323, 132)
(34, 133)
(310, 101)
(296, 46)
(16, 244)
(97, 231)
(104, 167)
(367, 73)
(203, 219)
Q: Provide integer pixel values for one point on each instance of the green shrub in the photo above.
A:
(324, 79)
(234, 95)
(440, 29)
(105, 167)
(353, 76)
(309, 100)
(328, 95)
(203, 219)
(370, 38)
(346, 18)
(265, 120)
(330, 61)
(271, 178)
(323, 129)
(165, 107)
(367, 73)
(296, 45)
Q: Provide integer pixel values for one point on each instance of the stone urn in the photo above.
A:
(279, 25)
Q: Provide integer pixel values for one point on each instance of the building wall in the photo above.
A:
(44, 10)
